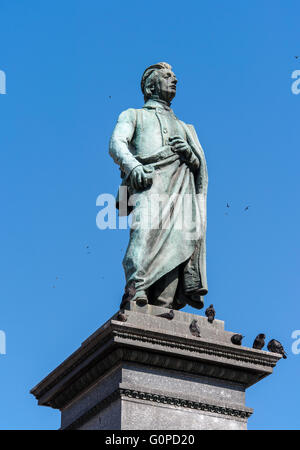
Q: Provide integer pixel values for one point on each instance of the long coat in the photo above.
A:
(169, 218)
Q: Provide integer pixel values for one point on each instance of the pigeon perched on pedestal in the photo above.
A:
(210, 313)
(194, 328)
(276, 347)
(168, 315)
(259, 341)
(129, 293)
(236, 339)
(121, 317)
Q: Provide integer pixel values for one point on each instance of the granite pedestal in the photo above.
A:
(151, 373)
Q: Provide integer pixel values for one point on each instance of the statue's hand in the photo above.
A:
(180, 146)
(140, 178)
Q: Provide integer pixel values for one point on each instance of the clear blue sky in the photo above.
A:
(63, 59)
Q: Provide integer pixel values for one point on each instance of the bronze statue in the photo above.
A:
(164, 172)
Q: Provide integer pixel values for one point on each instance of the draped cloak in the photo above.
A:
(168, 227)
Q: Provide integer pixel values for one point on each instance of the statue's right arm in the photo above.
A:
(120, 139)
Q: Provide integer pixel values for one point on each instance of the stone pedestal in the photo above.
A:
(151, 373)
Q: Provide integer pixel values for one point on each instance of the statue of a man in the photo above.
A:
(160, 158)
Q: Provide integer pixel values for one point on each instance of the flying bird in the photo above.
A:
(210, 313)
(194, 328)
(296, 57)
(259, 341)
(236, 339)
(227, 205)
(168, 315)
(276, 347)
(246, 209)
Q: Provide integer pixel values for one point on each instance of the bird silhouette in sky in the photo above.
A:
(246, 209)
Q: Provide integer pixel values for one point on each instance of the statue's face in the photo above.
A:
(166, 85)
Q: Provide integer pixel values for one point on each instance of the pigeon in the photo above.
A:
(194, 328)
(169, 315)
(121, 317)
(259, 341)
(236, 339)
(129, 293)
(210, 313)
(276, 347)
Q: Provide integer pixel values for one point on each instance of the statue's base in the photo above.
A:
(151, 373)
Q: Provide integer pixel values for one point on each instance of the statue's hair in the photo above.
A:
(149, 77)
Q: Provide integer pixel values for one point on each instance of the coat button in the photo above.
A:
(165, 130)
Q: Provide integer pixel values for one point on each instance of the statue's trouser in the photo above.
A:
(162, 292)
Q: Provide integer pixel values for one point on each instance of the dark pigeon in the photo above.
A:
(259, 341)
(236, 339)
(169, 315)
(210, 313)
(276, 347)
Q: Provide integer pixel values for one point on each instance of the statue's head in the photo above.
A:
(158, 81)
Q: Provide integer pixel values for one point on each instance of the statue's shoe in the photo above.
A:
(141, 300)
